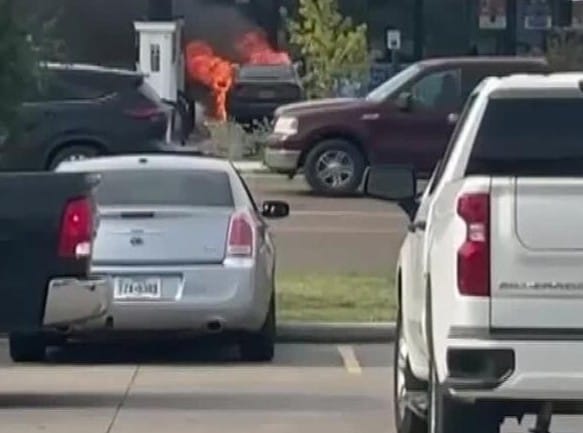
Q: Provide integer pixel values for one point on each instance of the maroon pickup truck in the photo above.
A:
(406, 120)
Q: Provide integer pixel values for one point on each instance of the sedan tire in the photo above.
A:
(260, 347)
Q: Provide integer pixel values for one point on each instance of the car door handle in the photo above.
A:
(417, 226)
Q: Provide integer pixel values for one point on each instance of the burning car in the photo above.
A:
(247, 86)
(258, 90)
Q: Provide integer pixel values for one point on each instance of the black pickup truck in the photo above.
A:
(47, 226)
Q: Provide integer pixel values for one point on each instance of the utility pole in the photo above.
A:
(160, 10)
(418, 28)
(511, 28)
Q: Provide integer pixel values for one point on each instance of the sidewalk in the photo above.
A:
(246, 167)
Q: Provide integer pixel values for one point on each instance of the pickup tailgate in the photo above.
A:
(30, 220)
(537, 255)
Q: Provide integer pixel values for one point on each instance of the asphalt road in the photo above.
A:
(349, 235)
(308, 389)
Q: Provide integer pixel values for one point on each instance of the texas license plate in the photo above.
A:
(138, 288)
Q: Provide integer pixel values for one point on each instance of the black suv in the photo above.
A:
(81, 111)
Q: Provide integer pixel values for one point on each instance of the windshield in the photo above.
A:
(530, 145)
(165, 188)
(389, 87)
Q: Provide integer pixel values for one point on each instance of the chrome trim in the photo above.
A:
(71, 300)
(282, 159)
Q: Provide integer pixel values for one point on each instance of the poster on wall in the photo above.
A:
(538, 15)
(577, 14)
(493, 14)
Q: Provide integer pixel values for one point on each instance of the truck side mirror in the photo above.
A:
(405, 101)
(392, 182)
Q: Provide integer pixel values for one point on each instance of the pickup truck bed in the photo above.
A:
(32, 215)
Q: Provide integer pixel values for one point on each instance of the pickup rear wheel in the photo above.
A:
(27, 347)
(406, 387)
(335, 167)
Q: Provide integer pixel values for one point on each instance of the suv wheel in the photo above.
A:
(74, 152)
(260, 347)
(447, 415)
(27, 347)
(335, 167)
(406, 386)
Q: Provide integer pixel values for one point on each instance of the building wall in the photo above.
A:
(101, 31)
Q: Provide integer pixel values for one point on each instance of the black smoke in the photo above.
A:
(101, 31)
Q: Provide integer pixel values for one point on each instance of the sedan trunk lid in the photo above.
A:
(169, 236)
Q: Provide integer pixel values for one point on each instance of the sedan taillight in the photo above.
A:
(241, 236)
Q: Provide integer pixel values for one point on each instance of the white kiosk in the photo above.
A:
(160, 56)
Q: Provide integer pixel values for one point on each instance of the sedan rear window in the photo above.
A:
(530, 137)
(165, 188)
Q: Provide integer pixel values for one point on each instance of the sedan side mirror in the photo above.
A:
(392, 182)
(405, 101)
(273, 209)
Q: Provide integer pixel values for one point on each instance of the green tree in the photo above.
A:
(565, 50)
(330, 44)
(17, 65)
(24, 43)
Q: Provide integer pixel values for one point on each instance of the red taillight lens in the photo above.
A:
(76, 234)
(473, 258)
(145, 112)
(241, 236)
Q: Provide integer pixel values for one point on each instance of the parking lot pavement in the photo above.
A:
(357, 235)
(308, 388)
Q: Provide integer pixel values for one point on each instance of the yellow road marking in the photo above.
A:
(350, 360)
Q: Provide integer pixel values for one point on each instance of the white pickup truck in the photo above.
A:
(490, 275)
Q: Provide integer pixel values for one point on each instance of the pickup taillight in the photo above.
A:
(77, 224)
(473, 257)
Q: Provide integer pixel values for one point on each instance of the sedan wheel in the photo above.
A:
(260, 347)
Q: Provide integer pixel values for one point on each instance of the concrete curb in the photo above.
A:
(319, 332)
(324, 332)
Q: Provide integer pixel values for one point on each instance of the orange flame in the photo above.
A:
(204, 66)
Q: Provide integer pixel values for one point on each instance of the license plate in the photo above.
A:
(266, 94)
(138, 288)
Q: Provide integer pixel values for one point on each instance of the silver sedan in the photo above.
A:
(187, 249)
